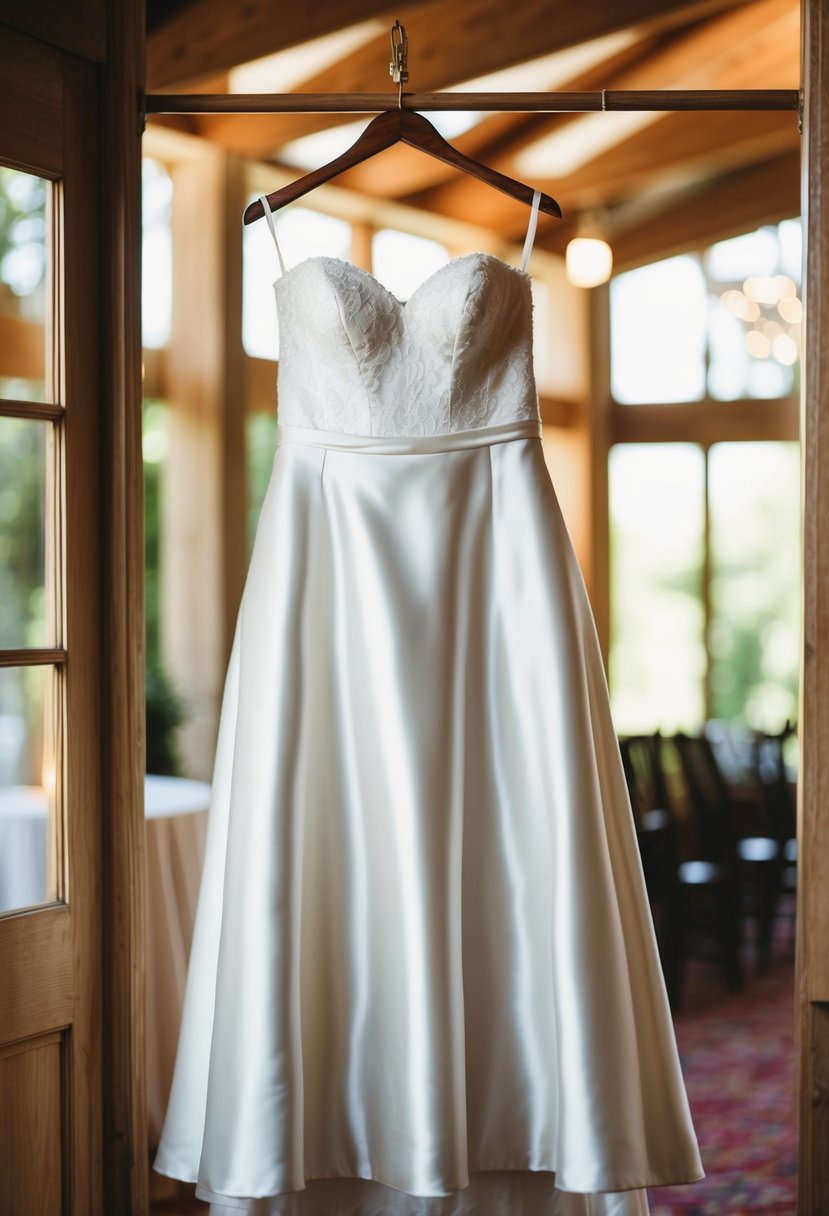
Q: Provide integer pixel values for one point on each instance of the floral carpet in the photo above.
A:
(738, 1060)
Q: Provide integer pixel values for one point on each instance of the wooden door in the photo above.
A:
(50, 960)
(72, 1135)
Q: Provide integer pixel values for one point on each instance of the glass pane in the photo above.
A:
(28, 787)
(25, 619)
(737, 307)
(260, 442)
(157, 254)
(403, 262)
(302, 234)
(657, 653)
(755, 313)
(657, 325)
(24, 265)
(754, 640)
(155, 446)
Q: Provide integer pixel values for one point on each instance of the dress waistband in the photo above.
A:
(449, 441)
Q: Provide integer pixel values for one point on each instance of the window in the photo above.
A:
(754, 633)
(30, 567)
(724, 323)
(157, 254)
(260, 446)
(23, 274)
(659, 662)
(302, 234)
(705, 535)
(657, 319)
(403, 262)
(657, 645)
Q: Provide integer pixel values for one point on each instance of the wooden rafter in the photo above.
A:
(711, 211)
(496, 136)
(211, 36)
(678, 148)
(767, 37)
(450, 44)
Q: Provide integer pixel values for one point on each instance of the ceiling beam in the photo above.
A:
(676, 149)
(736, 203)
(681, 151)
(759, 43)
(451, 44)
(405, 172)
(211, 36)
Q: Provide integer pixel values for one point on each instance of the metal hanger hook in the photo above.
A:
(399, 65)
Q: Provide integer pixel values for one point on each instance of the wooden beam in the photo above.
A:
(558, 411)
(678, 149)
(405, 172)
(812, 973)
(154, 371)
(210, 35)
(204, 543)
(704, 422)
(461, 42)
(78, 28)
(261, 382)
(597, 426)
(766, 35)
(122, 923)
(714, 211)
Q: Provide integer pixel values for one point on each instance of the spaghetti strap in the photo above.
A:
(530, 237)
(266, 207)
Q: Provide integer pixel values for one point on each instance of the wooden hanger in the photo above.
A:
(408, 127)
(400, 126)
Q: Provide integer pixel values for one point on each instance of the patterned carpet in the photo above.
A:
(739, 1066)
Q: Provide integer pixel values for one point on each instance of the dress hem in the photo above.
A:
(209, 1195)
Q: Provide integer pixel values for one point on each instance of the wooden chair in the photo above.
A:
(746, 867)
(658, 846)
(781, 810)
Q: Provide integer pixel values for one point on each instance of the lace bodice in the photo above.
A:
(457, 355)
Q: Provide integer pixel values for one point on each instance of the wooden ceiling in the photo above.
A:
(649, 174)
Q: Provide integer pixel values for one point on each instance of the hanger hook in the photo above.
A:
(399, 65)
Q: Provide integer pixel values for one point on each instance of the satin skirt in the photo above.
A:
(424, 978)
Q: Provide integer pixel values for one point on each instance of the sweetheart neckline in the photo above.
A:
(463, 257)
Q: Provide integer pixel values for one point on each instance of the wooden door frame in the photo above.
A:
(125, 1100)
(812, 969)
(126, 1166)
(50, 1008)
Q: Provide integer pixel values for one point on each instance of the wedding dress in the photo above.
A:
(424, 978)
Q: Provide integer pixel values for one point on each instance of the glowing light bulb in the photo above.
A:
(589, 261)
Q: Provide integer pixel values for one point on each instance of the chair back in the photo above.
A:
(655, 824)
(709, 797)
(771, 772)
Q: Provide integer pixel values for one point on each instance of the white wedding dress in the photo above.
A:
(424, 978)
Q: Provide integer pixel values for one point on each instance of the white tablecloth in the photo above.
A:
(176, 821)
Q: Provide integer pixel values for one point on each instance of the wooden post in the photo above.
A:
(122, 646)
(812, 984)
(598, 575)
(204, 554)
(361, 238)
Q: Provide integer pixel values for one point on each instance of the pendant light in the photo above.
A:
(589, 258)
